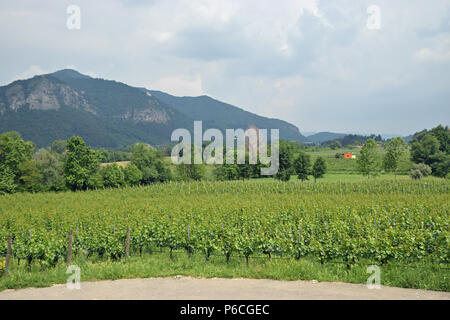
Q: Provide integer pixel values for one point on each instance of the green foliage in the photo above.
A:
(30, 177)
(113, 176)
(419, 171)
(353, 140)
(302, 166)
(226, 172)
(190, 171)
(14, 151)
(395, 149)
(133, 176)
(335, 145)
(106, 155)
(319, 168)
(7, 184)
(369, 159)
(432, 148)
(51, 165)
(286, 156)
(58, 146)
(15, 155)
(80, 169)
(380, 222)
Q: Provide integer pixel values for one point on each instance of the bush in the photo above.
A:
(419, 170)
(2, 268)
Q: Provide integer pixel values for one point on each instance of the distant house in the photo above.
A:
(348, 155)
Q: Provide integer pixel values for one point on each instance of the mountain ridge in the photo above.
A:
(112, 114)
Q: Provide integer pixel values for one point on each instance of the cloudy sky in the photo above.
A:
(337, 66)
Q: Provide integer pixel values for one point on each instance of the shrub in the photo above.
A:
(419, 170)
(2, 268)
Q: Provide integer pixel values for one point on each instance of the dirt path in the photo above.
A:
(227, 289)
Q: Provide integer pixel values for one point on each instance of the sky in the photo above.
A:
(342, 66)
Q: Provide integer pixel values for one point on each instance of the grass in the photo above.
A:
(160, 265)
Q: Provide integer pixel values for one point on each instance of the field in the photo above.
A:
(260, 228)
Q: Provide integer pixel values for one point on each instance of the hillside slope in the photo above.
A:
(112, 114)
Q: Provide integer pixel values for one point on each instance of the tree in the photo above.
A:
(133, 175)
(245, 170)
(30, 178)
(51, 165)
(143, 156)
(395, 149)
(149, 175)
(80, 168)
(335, 145)
(58, 146)
(226, 172)
(151, 163)
(285, 161)
(423, 150)
(190, 171)
(319, 168)
(369, 159)
(113, 176)
(7, 184)
(302, 166)
(13, 152)
(432, 148)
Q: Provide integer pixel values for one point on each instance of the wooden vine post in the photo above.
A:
(69, 248)
(8, 257)
(127, 245)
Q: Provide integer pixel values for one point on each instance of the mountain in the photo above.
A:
(323, 136)
(220, 115)
(112, 114)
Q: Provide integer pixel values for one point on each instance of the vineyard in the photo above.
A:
(380, 222)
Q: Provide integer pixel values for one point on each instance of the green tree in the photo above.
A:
(432, 148)
(133, 175)
(369, 159)
(58, 146)
(7, 184)
(30, 178)
(144, 156)
(285, 161)
(319, 168)
(113, 176)
(13, 152)
(81, 166)
(335, 145)
(302, 165)
(422, 151)
(190, 171)
(51, 165)
(395, 149)
(151, 163)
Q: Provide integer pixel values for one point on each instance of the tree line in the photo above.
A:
(72, 165)
(429, 152)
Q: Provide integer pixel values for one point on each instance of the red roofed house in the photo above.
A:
(347, 155)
